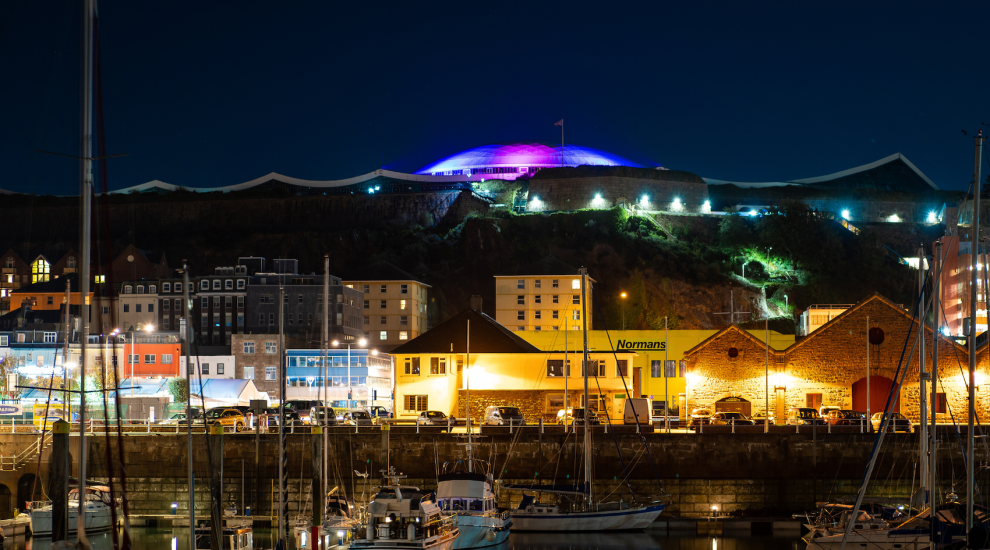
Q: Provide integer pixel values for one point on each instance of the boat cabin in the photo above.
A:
(231, 539)
(465, 493)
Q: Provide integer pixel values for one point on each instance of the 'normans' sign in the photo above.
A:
(642, 344)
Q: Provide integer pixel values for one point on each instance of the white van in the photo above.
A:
(637, 407)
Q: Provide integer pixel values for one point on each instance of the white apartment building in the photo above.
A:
(394, 305)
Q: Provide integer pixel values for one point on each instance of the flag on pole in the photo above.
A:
(559, 122)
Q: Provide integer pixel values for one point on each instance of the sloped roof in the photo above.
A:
(723, 332)
(548, 265)
(218, 388)
(141, 387)
(487, 336)
(51, 285)
(380, 271)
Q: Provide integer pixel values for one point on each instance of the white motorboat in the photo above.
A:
(405, 517)
(615, 516)
(470, 497)
(96, 513)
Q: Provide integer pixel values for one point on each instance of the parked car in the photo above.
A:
(846, 417)
(699, 417)
(359, 418)
(636, 408)
(730, 419)
(760, 418)
(564, 416)
(301, 407)
(316, 416)
(825, 409)
(380, 412)
(898, 422)
(432, 418)
(292, 418)
(578, 418)
(227, 417)
(180, 418)
(503, 416)
(804, 416)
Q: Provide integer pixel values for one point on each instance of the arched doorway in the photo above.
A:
(879, 390)
(6, 502)
(733, 404)
(24, 485)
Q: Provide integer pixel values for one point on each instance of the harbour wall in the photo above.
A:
(740, 474)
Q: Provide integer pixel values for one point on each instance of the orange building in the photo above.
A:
(48, 295)
(150, 356)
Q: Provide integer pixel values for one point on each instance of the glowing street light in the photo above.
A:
(707, 207)
(845, 214)
(598, 200)
(676, 205)
(623, 296)
(932, 218)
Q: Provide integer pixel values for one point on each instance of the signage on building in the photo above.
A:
(642, 344)
(9, 410)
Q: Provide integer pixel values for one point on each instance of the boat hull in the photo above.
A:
(97, 519)
(610, 520)
(875, 540)
(445, 542)
(474, 531)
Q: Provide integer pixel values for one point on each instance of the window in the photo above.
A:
(204, 303)
(536, 314)
(520, 316)
(261, 320)
(367, 319)
(140, 289)
(204, 285)
(521, 284)
(411, 365)
(240, 284)
(165, 323)
(4, 341)
(622, 368)
(290, 318)
(137, 308)
(152, 289)
(248, 373)
(576, 299)
(597, 368)
(556, 314)
(520, 328)
(556, 299)
(96, 279)
(520, 300)
(204, 368)
(271, 347)
(216, 284)
(383, 304)
(555, 367)
(149, 359)
(228, 284)
(270, 373)
(366, 289)
(383, 289)
(178, 304)
(50, 337)
(51, 300)
(438, 365)
(151, 308)
(403, 289)
(166, 287)
(402, 304)
(576, 284)
(536, 284)
(415, 403)
(367, 304)
(228, 301)
(271, 318)
(300, 298)
(166, 304)
(656, 368)
(166, 358)
(240, 320)
(384, 319)
(941, 405)
(813, 400)
(219, 368)
(538, 299)
(240, 302)
(555, 283)
(576, 315)
(227, 319)
(383, 335)
(403, 335)
(309, 318)
(40, 271)
(128, 289)
(216, 302)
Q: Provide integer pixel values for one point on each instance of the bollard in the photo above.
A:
(733, 425)
(510, 425)
(637, 426)
(829, 427)
(797, 427)
(861, 422)
(541, 426)
(701, 425)
(449, 422)
(355, 426)
(417, 425)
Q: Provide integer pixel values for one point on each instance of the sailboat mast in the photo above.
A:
(325, 353)
(85, 220)
(187, 343)
(467, 402)
(973, 289)
(933, 434)
(923, 375)
(281, 417)
(587, 408)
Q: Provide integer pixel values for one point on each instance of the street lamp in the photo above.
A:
(785, 301)
(362, 342)
(623, 296)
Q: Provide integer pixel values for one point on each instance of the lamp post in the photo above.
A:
(362, 342)
(149, 328)
(623, 296)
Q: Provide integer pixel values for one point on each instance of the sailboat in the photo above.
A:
(586, 514)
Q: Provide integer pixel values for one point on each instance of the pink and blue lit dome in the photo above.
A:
(510, 161)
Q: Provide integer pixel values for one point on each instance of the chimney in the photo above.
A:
(476, 302)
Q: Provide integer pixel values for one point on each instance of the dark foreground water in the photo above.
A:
(164, 539)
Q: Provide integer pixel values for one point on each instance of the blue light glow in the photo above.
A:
(845, 214)
(509, 161)
(932, 218)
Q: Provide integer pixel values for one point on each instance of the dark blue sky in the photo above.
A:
(211, 93)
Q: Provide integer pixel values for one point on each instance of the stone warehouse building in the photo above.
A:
(728, 371)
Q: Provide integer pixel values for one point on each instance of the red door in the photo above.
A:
(635, 383)
(879, 390)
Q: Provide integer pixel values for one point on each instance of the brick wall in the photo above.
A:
(259, 360)
(530, 402)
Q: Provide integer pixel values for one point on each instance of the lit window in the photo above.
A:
(383, 335)
(40, 271)
(403, 335)
(248, 373)
(402, 304)
(576, 284)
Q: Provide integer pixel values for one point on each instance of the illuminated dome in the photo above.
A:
(509, 161)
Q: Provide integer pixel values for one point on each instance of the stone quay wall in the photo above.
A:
(742, 473)
(577, 193)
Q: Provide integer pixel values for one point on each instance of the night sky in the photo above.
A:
(216, 93)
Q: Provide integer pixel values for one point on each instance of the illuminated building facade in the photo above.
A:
(956, 281)
(513, 160)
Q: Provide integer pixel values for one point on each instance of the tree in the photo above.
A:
(7, 364)
(178, 388)
(102, 379)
